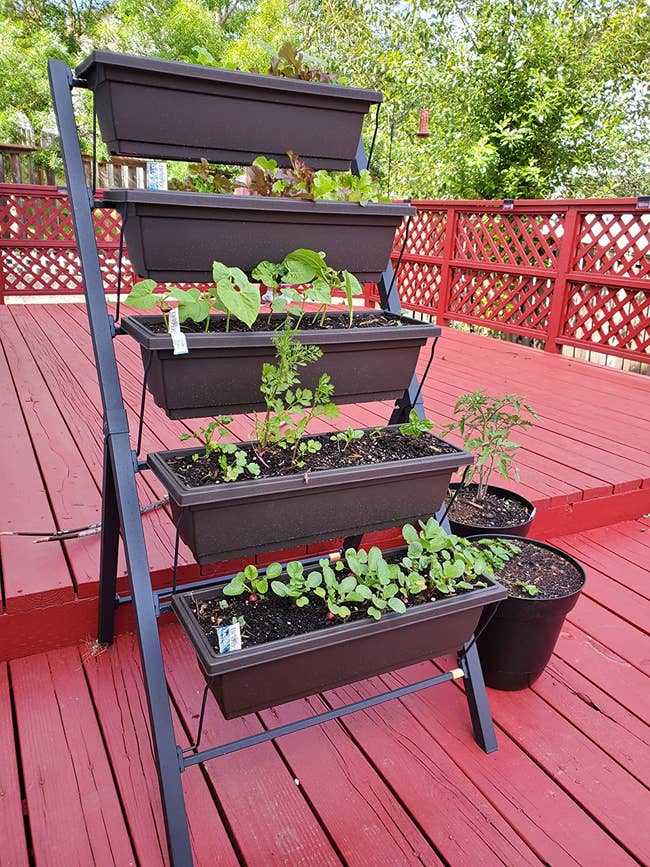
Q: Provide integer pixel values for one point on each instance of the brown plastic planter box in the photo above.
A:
(270, 674)
(236, 519)
(221, 373)
(176, 236)
(146, 106)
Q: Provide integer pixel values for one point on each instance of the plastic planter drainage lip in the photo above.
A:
(298, 666)
(146, 106)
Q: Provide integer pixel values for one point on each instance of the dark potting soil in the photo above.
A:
(551, 574)
(495, 511)
(272, 618)
(309, 323)
(387, 445)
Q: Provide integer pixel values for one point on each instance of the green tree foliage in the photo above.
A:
(527, 98)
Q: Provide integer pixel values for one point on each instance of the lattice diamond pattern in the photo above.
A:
(48, 218)
(512, 239)
(610, 317)
(614, 244)
(510, 299)
(42, 270)
(426, 234)
(419, 285)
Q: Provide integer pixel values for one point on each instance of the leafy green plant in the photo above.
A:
(205, 178)
(298, 585)
(233, 462)
(485, 423)
(528, 589)
(308, 269)
(232, 294)
(346, 437)
(290, 62)
(250, 581)
(286, 62)
(415, 426)
(365, 581)
(300, 181)
(290, 408)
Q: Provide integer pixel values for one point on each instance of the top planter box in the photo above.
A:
(175, 236)
(150, 108)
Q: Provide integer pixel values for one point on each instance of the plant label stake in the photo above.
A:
(229, 638)
(177, 336)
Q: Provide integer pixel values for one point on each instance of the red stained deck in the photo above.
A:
(403, 784)
(585, 463)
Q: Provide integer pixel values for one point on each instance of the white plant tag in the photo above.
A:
(229, 638)
(177, 336)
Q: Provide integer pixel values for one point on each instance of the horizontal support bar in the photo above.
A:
(326, 716)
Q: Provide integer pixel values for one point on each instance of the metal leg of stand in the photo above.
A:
(108, 554)
(477, 700)
(123, 466)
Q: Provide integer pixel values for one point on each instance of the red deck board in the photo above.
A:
(63, 754)
(564, 400)
(32, 575)
(609, 793)
(600, 664)
(633, 576)
(604, 721)
(267, 813)
(13, 845)
(85, 424)
(61, 462)
(547, 819)
(116, 683)
(624, 639)
(430, 783)
(324, 761)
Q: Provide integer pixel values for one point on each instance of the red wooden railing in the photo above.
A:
(568, 273)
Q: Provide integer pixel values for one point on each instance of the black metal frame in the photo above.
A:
(121, 517)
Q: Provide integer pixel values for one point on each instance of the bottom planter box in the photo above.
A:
(221, 373)
(265, 675)
(219, 522)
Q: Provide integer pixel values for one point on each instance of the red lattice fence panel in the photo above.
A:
(567, 272)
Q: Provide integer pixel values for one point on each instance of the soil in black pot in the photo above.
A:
(386, 445)
(551, 574)
(494, 511)
(310, 322)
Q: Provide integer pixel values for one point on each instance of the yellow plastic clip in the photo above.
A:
(457, 673)
(334, 556)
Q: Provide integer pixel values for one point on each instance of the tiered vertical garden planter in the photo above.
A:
(157, 108)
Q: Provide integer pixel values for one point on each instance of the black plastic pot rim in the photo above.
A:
(523, 540)
(214, 663)
(189, 199)
(180, 69)
(136, 326)
(277, 486)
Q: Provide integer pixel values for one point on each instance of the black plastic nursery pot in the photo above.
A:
(265, 675)
(176, 236)
(221, 373)
(518, 642)
(146, 107)
(243, 518)
(459, 528)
